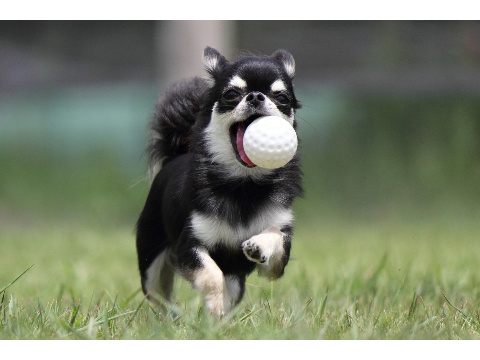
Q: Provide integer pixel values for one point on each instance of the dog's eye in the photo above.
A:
(231, 95)
(282, 99)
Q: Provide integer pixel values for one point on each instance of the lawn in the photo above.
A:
(385, 243)
(407, 279)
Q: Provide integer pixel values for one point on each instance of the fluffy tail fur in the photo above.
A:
(172, 120)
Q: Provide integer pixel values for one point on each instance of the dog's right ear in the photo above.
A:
(213, 61)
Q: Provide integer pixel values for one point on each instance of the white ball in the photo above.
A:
(270, 142)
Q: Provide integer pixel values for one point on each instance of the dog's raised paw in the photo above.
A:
(253, 252)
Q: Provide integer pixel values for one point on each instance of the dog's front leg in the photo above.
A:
(270, 250)
(205, 275)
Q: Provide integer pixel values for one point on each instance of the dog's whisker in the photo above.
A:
(307, 122)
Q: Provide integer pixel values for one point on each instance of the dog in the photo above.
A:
(211, 215)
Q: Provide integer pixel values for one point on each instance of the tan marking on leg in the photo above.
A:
(210, 281)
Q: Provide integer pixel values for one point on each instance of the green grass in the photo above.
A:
(382, 270)
(413, 279)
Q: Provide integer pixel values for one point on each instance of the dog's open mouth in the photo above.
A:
(237, 131)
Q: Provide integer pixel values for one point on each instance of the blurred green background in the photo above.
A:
(390, 123)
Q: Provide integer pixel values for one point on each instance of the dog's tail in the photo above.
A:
(172, 121)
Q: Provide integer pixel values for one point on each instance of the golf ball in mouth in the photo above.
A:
(270, 142)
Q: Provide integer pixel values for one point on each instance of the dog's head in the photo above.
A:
(240, 92)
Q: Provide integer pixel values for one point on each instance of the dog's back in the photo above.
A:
(172, 122)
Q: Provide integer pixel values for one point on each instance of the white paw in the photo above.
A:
(263, 247)
(253, 251)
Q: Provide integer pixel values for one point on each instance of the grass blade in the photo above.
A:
(135, 313)
(468, 318)
(13, 282)
(130, 298)
(413, 306)
(1, 305)
(324, 304)
(381, 265)
(74, 315)
(250, 313)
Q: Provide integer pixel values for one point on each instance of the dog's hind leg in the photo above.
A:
(235, 285)
(158, 279)
(154, 254)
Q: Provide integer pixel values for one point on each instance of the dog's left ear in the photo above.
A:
(287, 60)
(213, 61)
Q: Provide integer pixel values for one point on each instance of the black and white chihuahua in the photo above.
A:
(211, 215)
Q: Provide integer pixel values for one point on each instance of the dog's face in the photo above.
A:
(243, 91)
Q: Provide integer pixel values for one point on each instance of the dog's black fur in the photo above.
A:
(210, 216)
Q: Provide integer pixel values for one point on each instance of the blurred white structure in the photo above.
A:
(180, 46)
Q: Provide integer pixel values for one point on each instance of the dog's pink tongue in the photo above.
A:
(240, 133)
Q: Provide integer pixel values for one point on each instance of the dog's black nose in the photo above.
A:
(255, 98)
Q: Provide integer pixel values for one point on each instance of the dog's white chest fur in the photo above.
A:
(211, 230)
